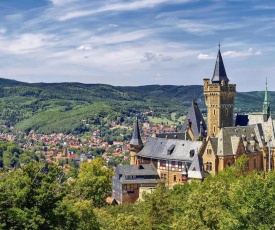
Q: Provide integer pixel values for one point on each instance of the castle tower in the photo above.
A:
(219, 99)
(135, 143)
(266, 104)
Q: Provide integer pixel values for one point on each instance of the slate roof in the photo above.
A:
(228, 139)
(136, 139)
(214, 142)
(268, 126)
(195, 117)
(219, 71)
(156, 148)
(180, 135)
(196, 168)
(140, 173)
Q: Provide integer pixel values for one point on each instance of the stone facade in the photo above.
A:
(219, 99)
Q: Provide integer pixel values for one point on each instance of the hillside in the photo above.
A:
(60, 107)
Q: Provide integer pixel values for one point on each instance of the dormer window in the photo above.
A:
(192, 153)
(171, 149)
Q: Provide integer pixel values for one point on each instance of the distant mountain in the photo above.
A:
(60, 107)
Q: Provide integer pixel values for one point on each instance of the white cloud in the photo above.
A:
(204, 28)
(62, 2)
(24, 43)
(245, 53)
(205, 56)
(85, 47)
(120, 37)
(120, 6)
(113, 25)
(3, 30)
(153, 58)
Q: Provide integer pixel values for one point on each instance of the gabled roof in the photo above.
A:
(219, 71)
(136, 139)
(157, 148)
(235, 141)
(267, 127)
(196, 120)
(196, 168)
(230, 137)
(142, 171)
(214, 143)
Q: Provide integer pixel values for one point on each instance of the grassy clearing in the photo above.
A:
(159, 120)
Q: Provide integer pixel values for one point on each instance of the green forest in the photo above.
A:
(60, 107)
(40, 196)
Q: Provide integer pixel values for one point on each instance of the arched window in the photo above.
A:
(214, 112)
(208, 166)
(229, 163)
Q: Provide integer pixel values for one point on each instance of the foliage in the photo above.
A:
(93, 182)
(229, 200)
(11, 155)
(38, 196)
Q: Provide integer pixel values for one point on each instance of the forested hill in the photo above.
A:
(60, 107)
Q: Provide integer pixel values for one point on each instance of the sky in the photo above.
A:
(138, 42)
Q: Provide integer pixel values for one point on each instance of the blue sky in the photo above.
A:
(140, 42)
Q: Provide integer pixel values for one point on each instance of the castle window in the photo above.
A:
(208, 166)
(163, 176)
(209, 151)
(171, 149)
(226, 112)
(192, 153)
(214, 129)
(162, 164)
(229, 163)
(132, 187)
(173, 164)
(247, 164)
(214, 112)
(175, 178)
(255, 163)
(180, 165)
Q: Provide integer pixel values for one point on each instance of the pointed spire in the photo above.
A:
(266, 104)
(266, 94)
(219, 71)
(136, 139)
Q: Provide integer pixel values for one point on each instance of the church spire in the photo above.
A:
(266, 104)
(219, 71)
(135, 144)
(136, 139)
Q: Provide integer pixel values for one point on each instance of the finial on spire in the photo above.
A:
(219, 45)
(219, 71)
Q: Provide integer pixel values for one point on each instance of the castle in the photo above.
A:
(199, 148)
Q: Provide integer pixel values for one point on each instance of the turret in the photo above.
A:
(136, 143)
(266, 104)
(219, 99)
